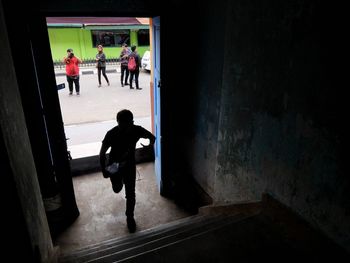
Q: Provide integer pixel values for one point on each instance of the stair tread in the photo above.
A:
(148, 239)
(167, 241)
(137, 235)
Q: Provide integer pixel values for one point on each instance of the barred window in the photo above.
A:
(110, 38)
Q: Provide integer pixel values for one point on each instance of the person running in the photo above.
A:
(122, 140)
(101, 65)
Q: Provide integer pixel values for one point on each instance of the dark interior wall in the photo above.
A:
(13, 221)
(281, 119)
(22, 210)
(209, 52)
(179, 30)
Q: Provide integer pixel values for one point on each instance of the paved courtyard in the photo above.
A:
(101, 104)
(89, 116)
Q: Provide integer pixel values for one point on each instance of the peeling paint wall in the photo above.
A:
(211, 24)
(280, 120)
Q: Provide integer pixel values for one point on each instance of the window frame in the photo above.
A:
(95, 37)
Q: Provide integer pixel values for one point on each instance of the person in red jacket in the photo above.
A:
(72, 71)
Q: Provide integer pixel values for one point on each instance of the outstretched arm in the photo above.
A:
(152, 139)
(147, 135)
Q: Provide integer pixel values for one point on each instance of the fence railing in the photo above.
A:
(90, 62)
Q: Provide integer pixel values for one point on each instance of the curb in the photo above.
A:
(88, 72)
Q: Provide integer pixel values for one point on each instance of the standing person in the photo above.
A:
(72, 71)
(136, 71)
(122, 139)
(101, 65)
(124, 55)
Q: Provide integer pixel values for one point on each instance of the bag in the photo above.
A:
(113, 168)
(116, 176)
(132, 64)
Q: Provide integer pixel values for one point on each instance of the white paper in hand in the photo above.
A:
(113, 168)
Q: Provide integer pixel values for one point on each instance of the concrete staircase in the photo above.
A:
(237, 233)
(137, 245)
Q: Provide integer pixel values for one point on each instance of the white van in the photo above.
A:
(146, 61)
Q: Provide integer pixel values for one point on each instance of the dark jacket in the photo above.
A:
(124, 57)
(123, 143)
(101, 63)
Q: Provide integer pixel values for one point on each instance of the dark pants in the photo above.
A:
(127, 175)
(103, 69)
(136, 74)
(124, 68)
(74, 79)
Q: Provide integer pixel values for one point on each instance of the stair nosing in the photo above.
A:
(144, 234)
(153, 235)
(229, 220)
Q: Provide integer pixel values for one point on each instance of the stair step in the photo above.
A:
(134, 237)
(141, 242)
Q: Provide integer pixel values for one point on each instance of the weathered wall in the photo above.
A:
(19, 173)
(280, 127)
(209, 56)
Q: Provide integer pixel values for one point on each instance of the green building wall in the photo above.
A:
(80, 40)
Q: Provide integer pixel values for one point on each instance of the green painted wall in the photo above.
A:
(80, 41)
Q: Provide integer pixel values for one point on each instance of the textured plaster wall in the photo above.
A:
(280, 127)
(209, 78)
(273, 122)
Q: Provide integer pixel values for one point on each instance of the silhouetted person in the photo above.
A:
(72, 71)
(101, 65)
(135, 72)
(122, 140)
(124, 55)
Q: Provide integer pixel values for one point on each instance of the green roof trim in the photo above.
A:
(97, 27)
(65, 25)
(100, 27)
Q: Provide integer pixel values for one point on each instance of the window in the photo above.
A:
(143, 37)
(110, 38)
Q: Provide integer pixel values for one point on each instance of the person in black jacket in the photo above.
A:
(124, 56)
(122, 140)
(101, 65)
(135, 72)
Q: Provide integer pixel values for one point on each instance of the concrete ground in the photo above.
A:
(89, 116)
(101, 104)
(102, 212)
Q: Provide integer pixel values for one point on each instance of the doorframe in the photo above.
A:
(156, 99)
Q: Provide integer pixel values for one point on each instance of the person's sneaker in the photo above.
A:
(70, 93)
(138, 88)
(108, 83)
(131, 224)
(131, 88)
(126, 83)
(122, 85)
(78, 94)
(99, 85)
